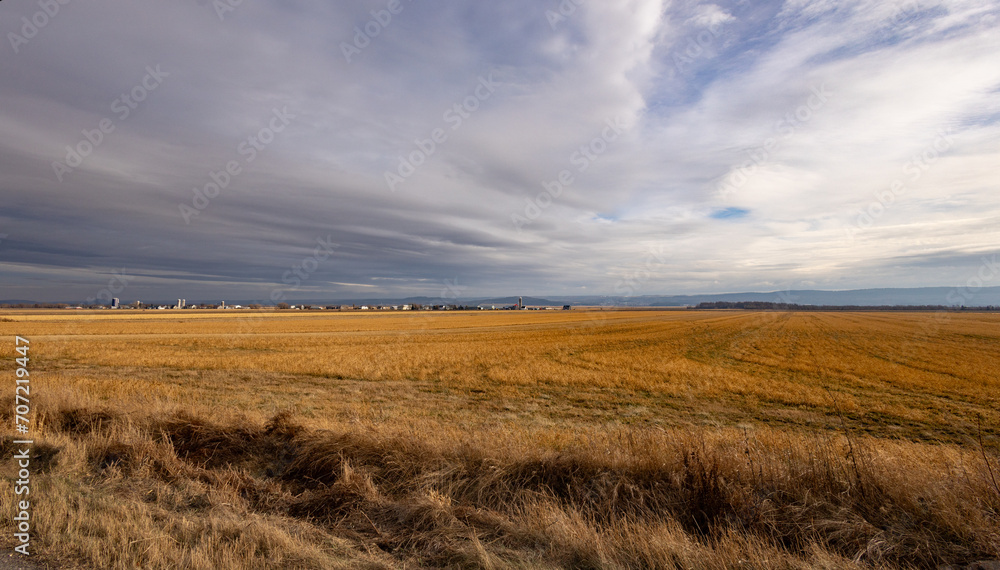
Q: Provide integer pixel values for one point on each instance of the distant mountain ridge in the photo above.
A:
(949, 296)
(862, 297)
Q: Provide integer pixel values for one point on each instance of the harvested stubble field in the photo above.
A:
(614, 439)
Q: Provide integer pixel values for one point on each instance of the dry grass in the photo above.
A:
(604, 440)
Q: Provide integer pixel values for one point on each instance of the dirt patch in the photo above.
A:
(15, 561)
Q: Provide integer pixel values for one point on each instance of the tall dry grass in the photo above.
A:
(164, 489)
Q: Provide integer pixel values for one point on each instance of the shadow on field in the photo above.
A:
(637, 500)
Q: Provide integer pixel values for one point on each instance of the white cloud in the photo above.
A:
(896, 74)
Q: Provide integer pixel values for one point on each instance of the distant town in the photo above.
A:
(182, 304)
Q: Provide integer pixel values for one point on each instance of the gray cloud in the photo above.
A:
(697, 117)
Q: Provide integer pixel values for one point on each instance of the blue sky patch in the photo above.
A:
(729, 214)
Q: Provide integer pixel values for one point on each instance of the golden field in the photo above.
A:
(549, 439)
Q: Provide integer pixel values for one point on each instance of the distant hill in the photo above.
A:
(863, 297)
(930, 296)
(764, 306)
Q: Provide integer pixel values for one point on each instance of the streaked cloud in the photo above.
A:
(768, 145)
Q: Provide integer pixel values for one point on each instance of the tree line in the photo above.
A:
(769, 306)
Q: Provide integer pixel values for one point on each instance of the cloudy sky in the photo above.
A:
(214, 149)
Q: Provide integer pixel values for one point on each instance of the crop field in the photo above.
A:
(541, 439)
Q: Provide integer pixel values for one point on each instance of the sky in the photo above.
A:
(308, 149)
